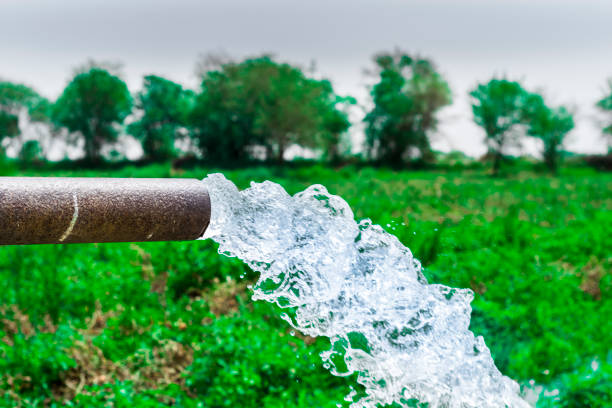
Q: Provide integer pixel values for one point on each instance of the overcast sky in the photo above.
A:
(561, 47)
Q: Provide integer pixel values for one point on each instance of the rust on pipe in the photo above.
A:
(47, 210)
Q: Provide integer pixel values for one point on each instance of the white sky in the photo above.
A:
(559, 46)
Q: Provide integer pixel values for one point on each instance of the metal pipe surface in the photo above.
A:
(47, 210)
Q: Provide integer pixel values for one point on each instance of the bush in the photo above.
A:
(251, 360)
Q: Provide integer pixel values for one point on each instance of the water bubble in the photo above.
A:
(357, 285)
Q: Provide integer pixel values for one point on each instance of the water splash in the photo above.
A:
(359, 286)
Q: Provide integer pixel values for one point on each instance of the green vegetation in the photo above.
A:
(260, 102)
(498, 108)
(507, 112)
(257, 108)
(170, 324)
(31, 153)
(407, 98)
(15, 98)
(92, 106)
(164, 106)
(550, 125)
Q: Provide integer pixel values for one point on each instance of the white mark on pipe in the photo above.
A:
(73, 221)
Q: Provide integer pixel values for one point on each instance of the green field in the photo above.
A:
(171, 324)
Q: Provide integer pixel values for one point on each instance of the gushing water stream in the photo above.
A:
(359, 286)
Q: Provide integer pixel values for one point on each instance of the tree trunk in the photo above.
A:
(90, 150)
(281, 152)
(395, 153)
(424, 147)
(498, 156)
(427, 154)
(497, 159)
(551, 160)
(92, 142)
(332, 153)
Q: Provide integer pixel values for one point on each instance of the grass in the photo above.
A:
(171, 324)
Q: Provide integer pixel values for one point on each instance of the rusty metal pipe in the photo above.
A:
(47, 210)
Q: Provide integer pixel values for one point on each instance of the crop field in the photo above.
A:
(172, 323)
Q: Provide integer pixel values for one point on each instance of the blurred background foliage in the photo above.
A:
(257, 108)
(171, 324)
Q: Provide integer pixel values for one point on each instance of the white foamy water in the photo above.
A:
(359, 286)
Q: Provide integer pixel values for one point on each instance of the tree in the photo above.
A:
(93, 105)
(408, 96)
(605, 104)
(261, 102)
(550, 125)
(165, 106)
(498, 109)
(221, 121)
(335, 123)
(294, 109)
(16, 98)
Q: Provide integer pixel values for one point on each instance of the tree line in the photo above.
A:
(258, 107)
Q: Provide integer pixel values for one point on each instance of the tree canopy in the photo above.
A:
(164, 106)
(407, 98)
(262, 102)
(550, 125)
(93, 105)
(258, 107)
(498, 107)
(13, 99)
